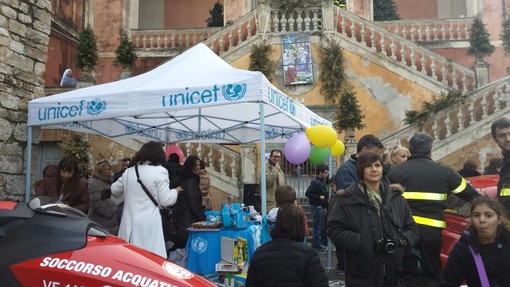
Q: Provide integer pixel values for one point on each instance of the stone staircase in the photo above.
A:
(462, 124)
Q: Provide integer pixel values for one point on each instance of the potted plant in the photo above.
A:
(125, 54)
(87, 54)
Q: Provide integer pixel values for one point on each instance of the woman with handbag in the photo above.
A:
(141, 220)
(482, 255)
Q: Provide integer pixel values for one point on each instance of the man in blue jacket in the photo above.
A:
(317, 193)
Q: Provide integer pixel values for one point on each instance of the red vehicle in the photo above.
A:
(457, 212)
(50, 244)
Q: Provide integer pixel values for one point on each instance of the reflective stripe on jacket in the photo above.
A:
(427, 185)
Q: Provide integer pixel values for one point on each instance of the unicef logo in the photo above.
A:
(233, 92)
(199, 245)
(292, 108)
(96, 106)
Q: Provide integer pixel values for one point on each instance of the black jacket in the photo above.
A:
(461, 264)
(420, 174)
(314, 191)
(283, 262)
(504, 181)
(188, 208)
(355, 225)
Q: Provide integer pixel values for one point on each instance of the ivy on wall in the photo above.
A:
(337, 90)
(428, 109)
(260, 59)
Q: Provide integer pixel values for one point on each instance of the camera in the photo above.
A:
(385, 245)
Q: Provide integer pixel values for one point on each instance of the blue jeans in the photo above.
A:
(318, 225)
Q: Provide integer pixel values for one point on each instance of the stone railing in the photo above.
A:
(430, 30)
(296, 20)
(462, 123)
(240, 32)
(404, 52)
(223, 164)
(161, 39)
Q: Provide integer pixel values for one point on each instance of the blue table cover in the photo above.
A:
(204, 246)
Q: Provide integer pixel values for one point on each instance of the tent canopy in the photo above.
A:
(195, 97)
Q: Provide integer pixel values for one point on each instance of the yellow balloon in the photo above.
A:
(338, 148)
(321, 136)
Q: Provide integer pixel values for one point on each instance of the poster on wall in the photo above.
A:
(297, 59)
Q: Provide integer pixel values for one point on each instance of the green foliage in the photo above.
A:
(428, 109)
(348, 112)
(332, 74)
(260, 61)
(505, 36)
(87, 54)
(125, 52)
(74, 146)
(291, 4)
(479, 40)
(216, 18)
(385, 10)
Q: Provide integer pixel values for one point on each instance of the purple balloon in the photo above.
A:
(297, 149)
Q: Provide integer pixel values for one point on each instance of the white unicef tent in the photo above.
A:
(195, 97)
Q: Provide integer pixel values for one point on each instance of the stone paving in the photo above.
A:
(336, 279)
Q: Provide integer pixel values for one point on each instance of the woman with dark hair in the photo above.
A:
(488, 239)
(285, 260)
(103, 210)
(373, 223)
(66, 186)
(141, 220)
(188, 208)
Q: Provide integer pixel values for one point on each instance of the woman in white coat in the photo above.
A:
(141, 221)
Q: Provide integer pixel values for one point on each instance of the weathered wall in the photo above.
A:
(24, 30)
(187, 13)
(384, 96)
(480, 152)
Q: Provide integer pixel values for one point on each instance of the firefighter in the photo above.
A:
(427, 184)
(500, 130)
(340, 3)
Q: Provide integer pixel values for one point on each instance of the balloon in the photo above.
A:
(172, 148)
(297, 148)
(338, 148)
(318, 154)
(321, 135)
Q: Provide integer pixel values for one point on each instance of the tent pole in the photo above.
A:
(28, 167)
(330, 172)
(262, 158)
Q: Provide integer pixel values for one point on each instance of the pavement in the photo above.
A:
(328, 259)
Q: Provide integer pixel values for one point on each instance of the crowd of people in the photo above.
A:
(384, 215)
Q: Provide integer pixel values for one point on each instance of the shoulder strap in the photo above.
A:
(479, 265)
(145, 188)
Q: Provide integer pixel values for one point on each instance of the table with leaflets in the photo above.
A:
(204, 246)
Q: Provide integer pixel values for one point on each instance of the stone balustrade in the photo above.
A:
(170, 38)
(479, 108)
(234, 35)
(221, 163)
(430, 30)
(404, 52)
(303, 20)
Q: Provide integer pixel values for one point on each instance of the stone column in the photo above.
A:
(481, 69)
(24, 36)
(248, 163)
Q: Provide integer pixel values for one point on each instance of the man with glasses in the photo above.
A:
(274, 177)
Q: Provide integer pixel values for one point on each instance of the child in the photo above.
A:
(284, 194)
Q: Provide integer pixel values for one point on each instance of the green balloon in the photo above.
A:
(318, 154)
